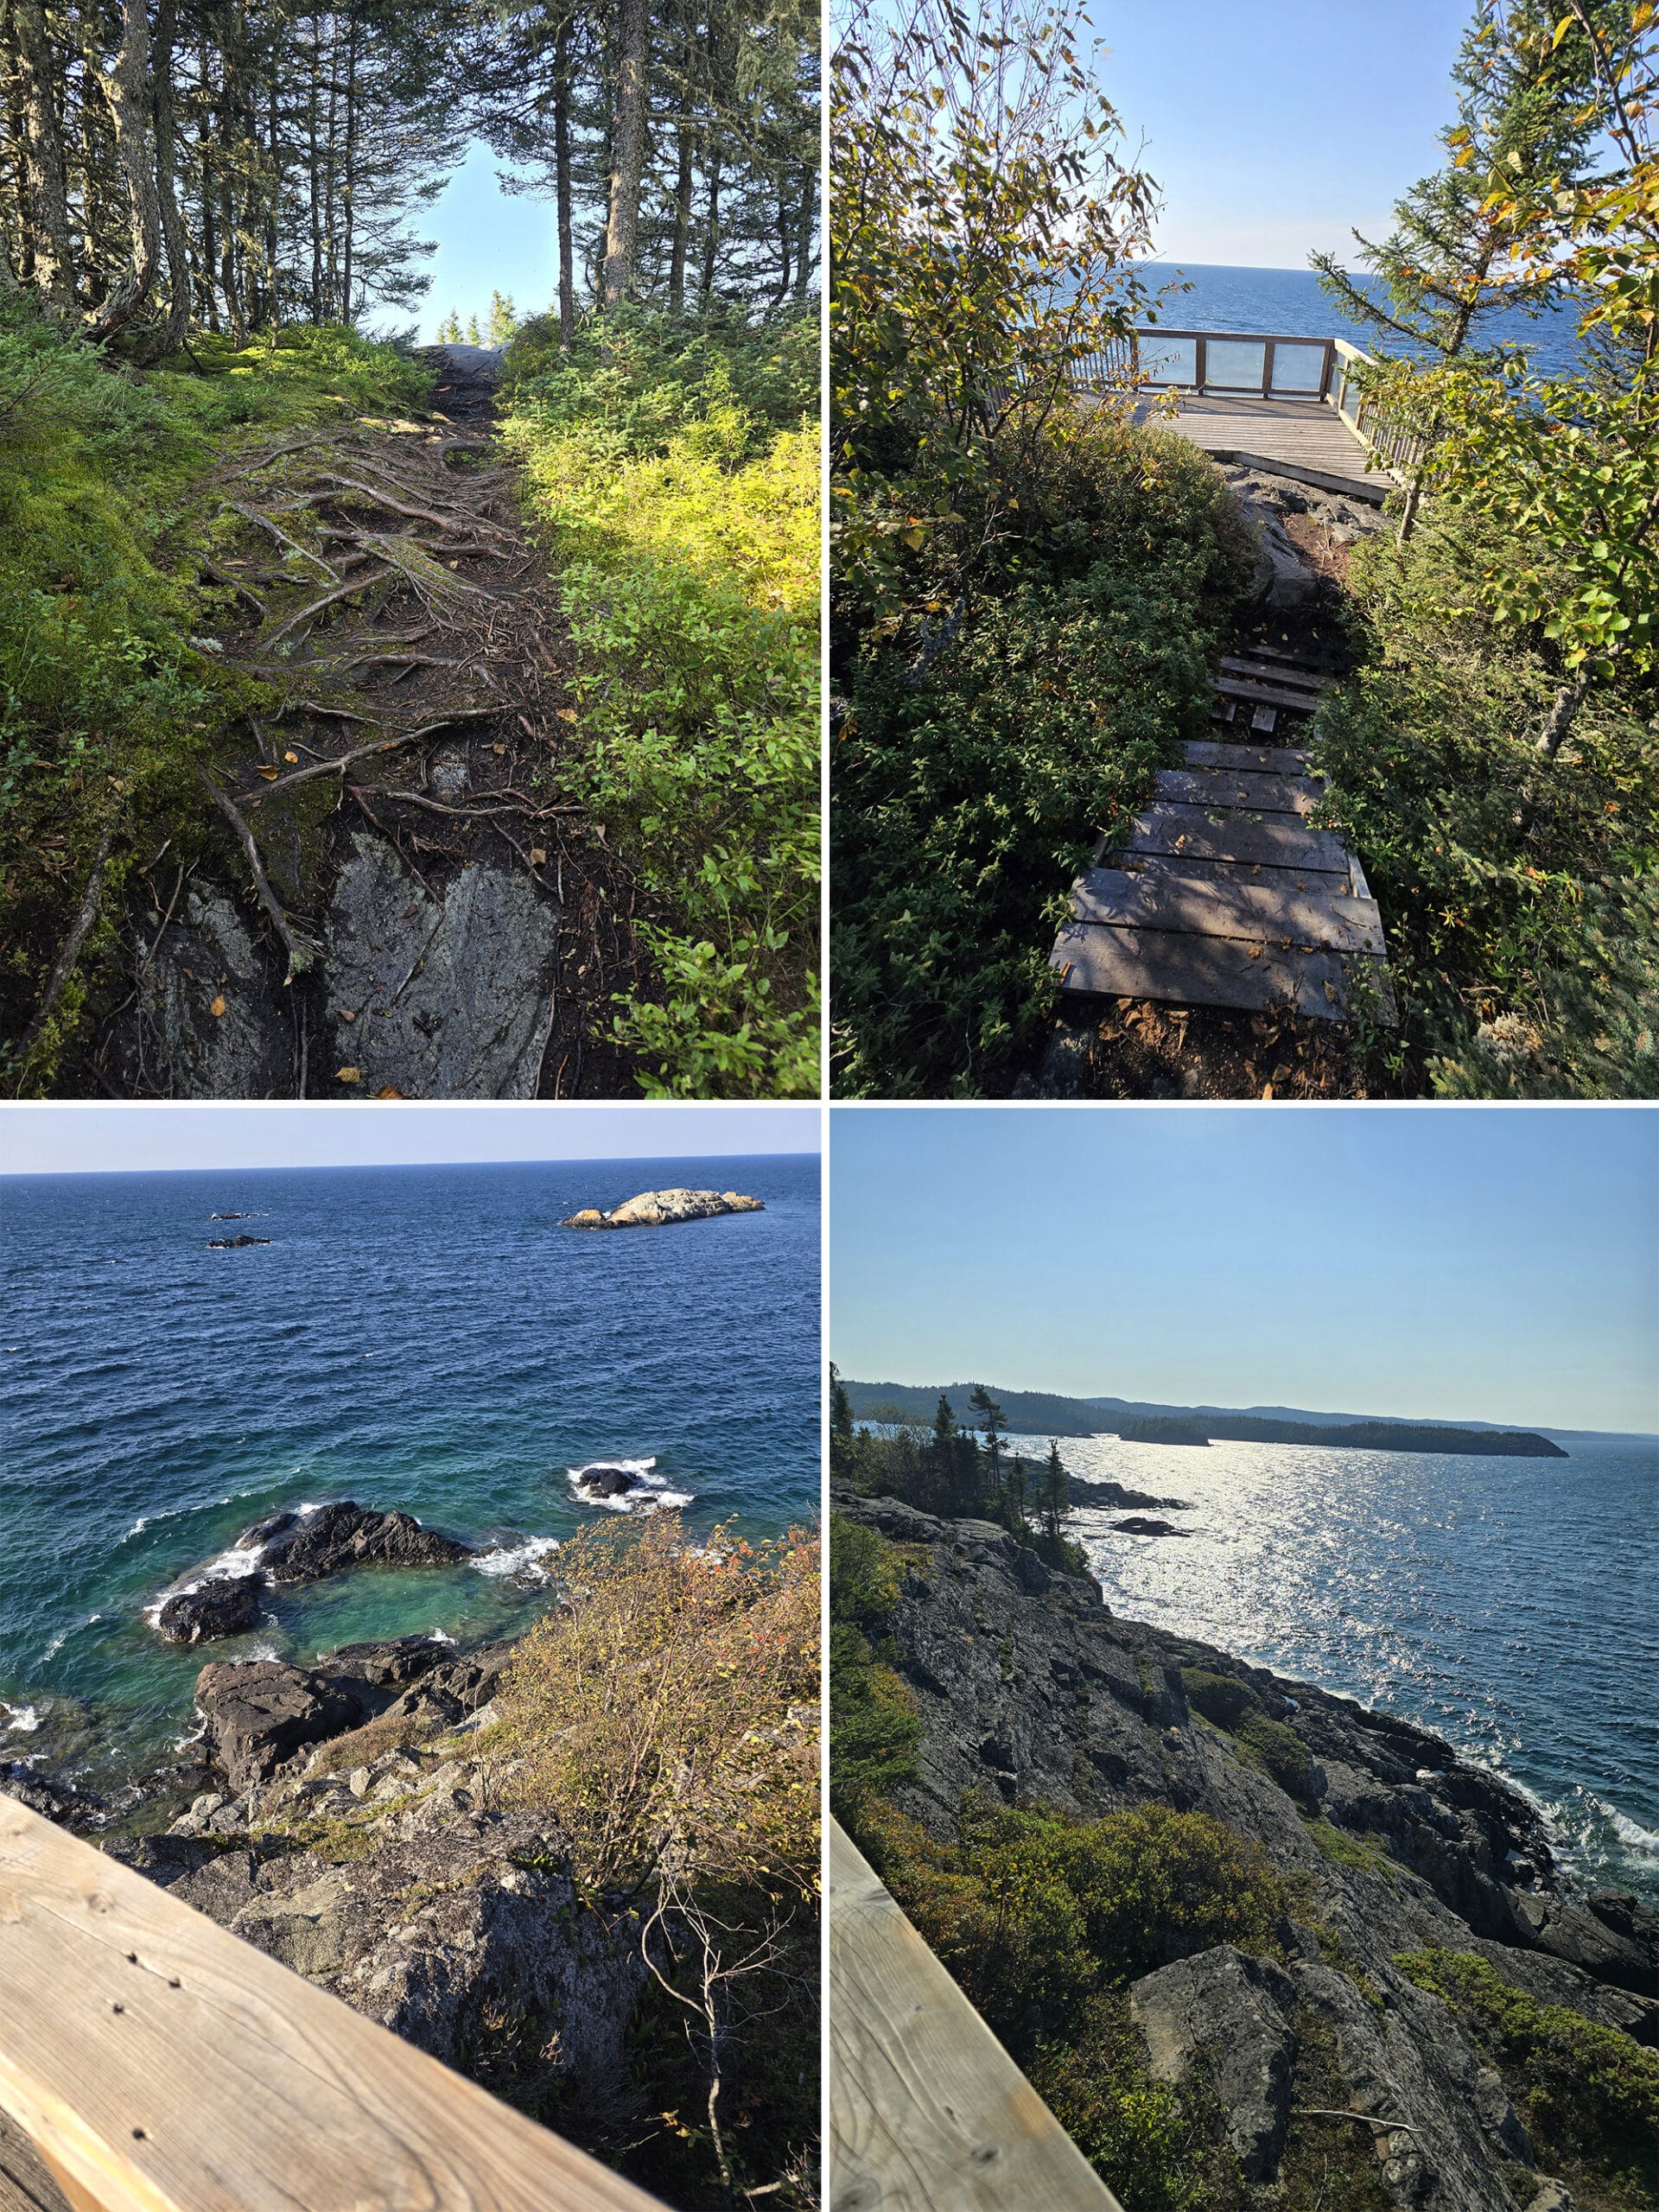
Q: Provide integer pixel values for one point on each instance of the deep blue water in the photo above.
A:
(1288, 302)
(423, 1337)
(1511, 1605)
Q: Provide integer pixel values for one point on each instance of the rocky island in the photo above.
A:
(294, 1547)
(652, 1209)
(233, 1243)
(1315, 1957)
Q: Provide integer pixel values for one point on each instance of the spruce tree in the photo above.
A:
(1056, 1494)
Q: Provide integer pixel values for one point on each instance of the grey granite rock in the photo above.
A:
(449, 996)
(1225, 2012)
(209, 957)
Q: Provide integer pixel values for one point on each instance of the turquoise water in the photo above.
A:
(1288, 304)
(426, 1338)
(1511, 1605)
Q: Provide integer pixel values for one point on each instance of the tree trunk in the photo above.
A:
(687, 142)
(349, 186)
(628, 153)
(313, 177)
(127, 88)
(562, 182)
(804, 239)
(711, 235)
(1568, 700)
(52, 271)
(169, 334)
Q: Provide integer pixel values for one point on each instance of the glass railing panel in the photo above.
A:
(1170, 360)
(1297, 368)
(1236, 363)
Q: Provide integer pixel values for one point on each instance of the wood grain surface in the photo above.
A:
(927, 2111)
(159, 2064)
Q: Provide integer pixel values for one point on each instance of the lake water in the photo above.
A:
(1511, 1605)
(426, 1338)
(1288, 302)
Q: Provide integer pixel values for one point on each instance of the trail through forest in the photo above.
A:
(403, 897)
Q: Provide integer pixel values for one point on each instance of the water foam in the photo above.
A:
(21, 1719)
(524, 1558)
(651, 1491)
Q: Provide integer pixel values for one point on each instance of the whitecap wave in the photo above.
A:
(524, 1558)
(1632, 1834)
(57, 1644)
(648, 1491)
(439, 1635)
(21, 1719)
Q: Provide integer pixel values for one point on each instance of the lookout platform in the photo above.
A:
(927, 2111)
(1314, 441)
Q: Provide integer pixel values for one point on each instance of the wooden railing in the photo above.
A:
(927, 2111)
(149, 2062)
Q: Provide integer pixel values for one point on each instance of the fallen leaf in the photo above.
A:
(537, 857)
(1331, 992)
(345, 1014)
(1256, 951)
(1268, 1092)
(350, 1075)
(497, 748)
(386, 1092)
(567, 714)
(270, 774)
(218, 1006)
(290, 756)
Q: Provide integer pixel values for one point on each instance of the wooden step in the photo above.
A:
(1100, 959)
(1275, 839)
(1222, 787)
(1310, 913)
(1267, 695)
(1235, 666)
(1274, 759)
(1279, 653)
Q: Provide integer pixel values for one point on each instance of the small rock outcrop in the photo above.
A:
(233, 1243)
(652, 1209)
(223, 1607)
(303, 1548)
(1144, 1524)
(607, 1479)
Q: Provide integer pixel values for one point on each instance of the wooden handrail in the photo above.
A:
(159, 2064)
(927, 2111)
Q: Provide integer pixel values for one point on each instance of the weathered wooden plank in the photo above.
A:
(1264, 695)
(1274, 759)
(1263, 718)
(927, 2111)
(159, 2064)
(1228, 786)
(1099, 959)
(1276, 840)
(1274, 672)
(1311, 913)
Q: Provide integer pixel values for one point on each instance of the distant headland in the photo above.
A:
(1042, 1413)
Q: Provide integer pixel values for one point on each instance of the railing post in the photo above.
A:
(1200, 364)
(1267, 368)
(1325, 369)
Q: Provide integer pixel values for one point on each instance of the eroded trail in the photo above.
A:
(402, 890)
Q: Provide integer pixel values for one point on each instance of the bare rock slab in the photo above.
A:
(446, 996)
(651, 1209)
(209, 959)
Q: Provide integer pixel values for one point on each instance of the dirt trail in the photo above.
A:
(401, 893)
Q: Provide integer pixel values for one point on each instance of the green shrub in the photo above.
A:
(682, 504)
(1518, 896)
(1220, 1698)
(1270, 1746)
(1343, 1848)
(1586, 2093)
(1157, 2149)
(874, 1724)
(966, 795)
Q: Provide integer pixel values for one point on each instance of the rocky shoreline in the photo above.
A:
(1029, 1689)
(654, 1209)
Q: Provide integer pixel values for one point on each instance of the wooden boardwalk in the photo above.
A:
(1221, 894)
(927, 2111)
(1301, 434)
(150, 2062)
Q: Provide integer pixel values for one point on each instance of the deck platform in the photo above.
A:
(1301, 434)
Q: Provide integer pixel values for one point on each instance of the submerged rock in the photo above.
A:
(223, 1607)
(651, 1209)
(233, 1243)
(1141, 1524)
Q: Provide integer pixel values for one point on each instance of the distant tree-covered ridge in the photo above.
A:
(1037, 1413)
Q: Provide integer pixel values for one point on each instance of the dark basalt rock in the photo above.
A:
(1141, 1524)
(343, 1535)
(232, 1243)
(224, 1607)
(259, 1714)
(603, 1481)
(1059, 1702)
(1120, 1498)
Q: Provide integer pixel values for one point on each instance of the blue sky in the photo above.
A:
(97, 1139)
(487, 241)
(1273, 126)
(1460, 1264)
